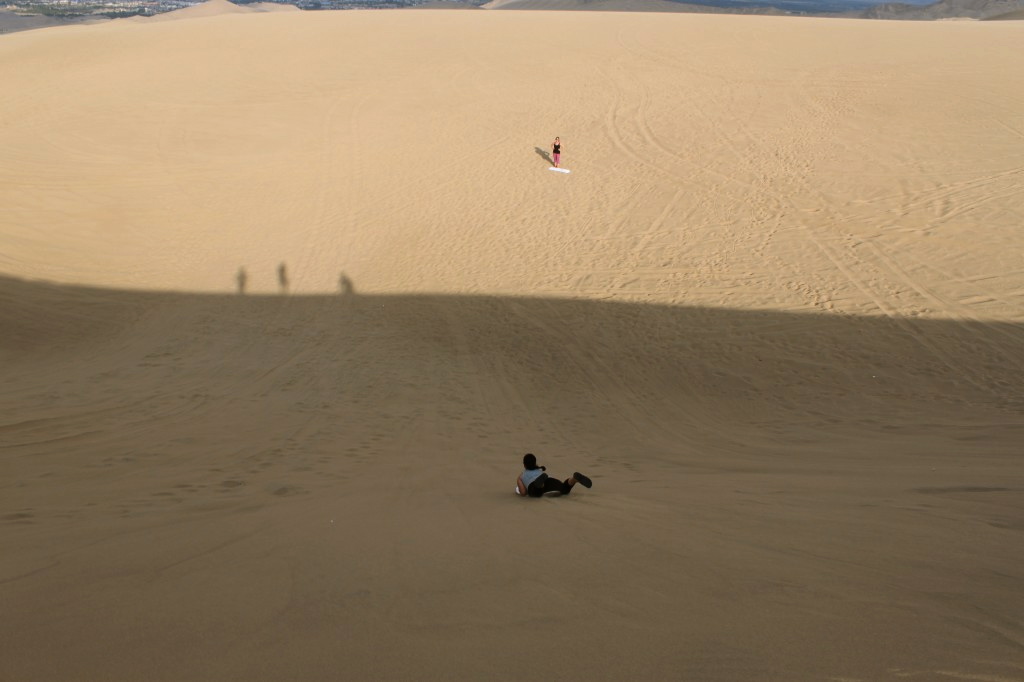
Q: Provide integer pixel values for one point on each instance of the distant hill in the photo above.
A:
(622, 6)
(771, 7)
(212, 8)
(946, 9)
(862, 9)
(445, 4)
(1017, 15)
(11, 22)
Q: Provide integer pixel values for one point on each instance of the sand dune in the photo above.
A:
(775, 312)
(216, 8)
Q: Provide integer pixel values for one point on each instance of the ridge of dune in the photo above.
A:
(273, 7)
(283, 303)
(214, 8)
(208, 8)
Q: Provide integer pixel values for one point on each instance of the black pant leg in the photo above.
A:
(553, 485)
(546, 484)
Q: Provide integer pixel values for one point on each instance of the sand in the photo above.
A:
(776, 312)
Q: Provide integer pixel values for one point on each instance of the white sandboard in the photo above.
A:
(559, 170)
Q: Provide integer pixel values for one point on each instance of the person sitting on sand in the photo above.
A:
(533, 482)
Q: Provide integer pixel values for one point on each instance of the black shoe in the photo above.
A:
(582, 480)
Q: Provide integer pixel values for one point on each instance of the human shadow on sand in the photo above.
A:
(345, 285)
(544, 155)
(282, 278)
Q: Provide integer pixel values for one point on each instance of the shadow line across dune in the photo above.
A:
(743, 367)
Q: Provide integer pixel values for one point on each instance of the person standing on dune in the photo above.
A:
(534, 482)
(556, 152)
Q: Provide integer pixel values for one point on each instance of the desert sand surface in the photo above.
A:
(776, 312)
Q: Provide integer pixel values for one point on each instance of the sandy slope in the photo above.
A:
(776, 311)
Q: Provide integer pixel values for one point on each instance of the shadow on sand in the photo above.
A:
(775, 460)
(753, 370)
